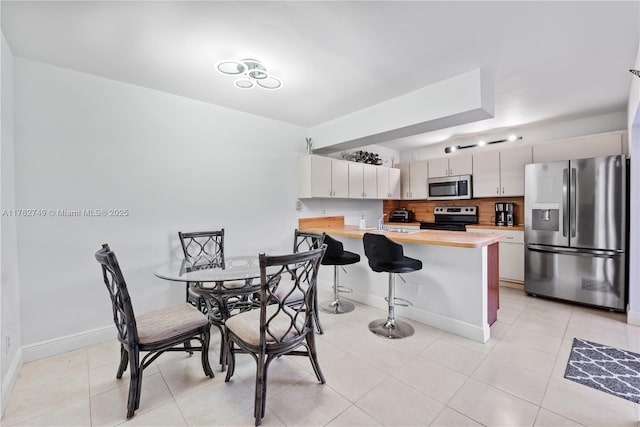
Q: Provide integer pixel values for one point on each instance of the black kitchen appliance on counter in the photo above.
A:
(452, 218)
(504, 214)
(401, 215)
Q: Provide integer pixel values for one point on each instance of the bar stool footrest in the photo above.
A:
(399, 301)
(344, 289)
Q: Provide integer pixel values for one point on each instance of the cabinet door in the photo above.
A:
(438, 167)
(405, 180)
(486, 174)
(340, 178)
(512, 161)
(461, 165)
(578, 148)
(512, 261)
(356, 180)
(382, 175)
(321, 177)
(418, 180)
(394, 183)
(370, 183)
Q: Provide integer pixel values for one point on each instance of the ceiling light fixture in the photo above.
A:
(481, 143)
(252, 73)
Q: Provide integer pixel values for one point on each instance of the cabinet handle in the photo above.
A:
(509, 237)
(497, 190)
(502, 190)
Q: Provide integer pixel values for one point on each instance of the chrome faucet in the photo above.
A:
(381, 222)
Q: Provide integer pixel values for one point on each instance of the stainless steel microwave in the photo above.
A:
(449, 188)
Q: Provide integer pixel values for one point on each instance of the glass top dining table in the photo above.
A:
(233, 268)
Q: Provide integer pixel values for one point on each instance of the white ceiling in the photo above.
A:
(548, 59)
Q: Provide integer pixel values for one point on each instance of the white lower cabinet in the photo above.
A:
(511, 253)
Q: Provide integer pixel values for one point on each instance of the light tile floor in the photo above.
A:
(433, 378)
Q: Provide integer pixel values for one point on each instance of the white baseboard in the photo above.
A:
(633, 318)
(10, 380)
(439, 321)
(67, 343)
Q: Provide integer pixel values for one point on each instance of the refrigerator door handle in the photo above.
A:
(565, 213)
(576, 252)
(573, 208)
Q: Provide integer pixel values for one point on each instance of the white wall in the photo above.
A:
(176, 164)
(531, 134)
(633, 123)
(10, 359)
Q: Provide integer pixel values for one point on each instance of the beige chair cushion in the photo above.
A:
(283, 289)
(247, 325)
(168, 322)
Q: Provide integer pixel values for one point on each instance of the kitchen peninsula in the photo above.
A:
(456, 290)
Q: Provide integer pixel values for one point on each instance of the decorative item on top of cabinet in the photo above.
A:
(450, 166)
(413, 180)
(500, 173)
(362, 157)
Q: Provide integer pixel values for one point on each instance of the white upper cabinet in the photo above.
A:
(362, 181)
(460, 165)
(500, 173)
(486, 174)
(370, 181)
(512, 162)
(606, 144)
(450, 166)
(388, 183)
(438, 167)
(394, 183)
(322, 177)
(413, 180)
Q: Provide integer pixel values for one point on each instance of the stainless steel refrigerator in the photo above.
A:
(575, 230)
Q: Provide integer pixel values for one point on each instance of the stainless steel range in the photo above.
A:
(452, 218)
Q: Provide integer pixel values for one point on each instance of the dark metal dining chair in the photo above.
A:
(205, 249)
(302, 241)
(278, 327)
(166, 329)
(201, 248)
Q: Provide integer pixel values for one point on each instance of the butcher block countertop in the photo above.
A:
(335, 227)
(496, 227)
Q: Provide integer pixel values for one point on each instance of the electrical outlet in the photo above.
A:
(298, 205)
(324, 211)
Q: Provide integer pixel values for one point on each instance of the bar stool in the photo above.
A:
(336, 255)
(387, 256)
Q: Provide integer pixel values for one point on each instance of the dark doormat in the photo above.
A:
(605, 368)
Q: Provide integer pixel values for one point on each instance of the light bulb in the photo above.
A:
(482, 143)
(512, 137)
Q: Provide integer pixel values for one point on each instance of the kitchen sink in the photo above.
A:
(402, 230)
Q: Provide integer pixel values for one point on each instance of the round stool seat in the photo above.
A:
(345, 258)
(404, 265)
